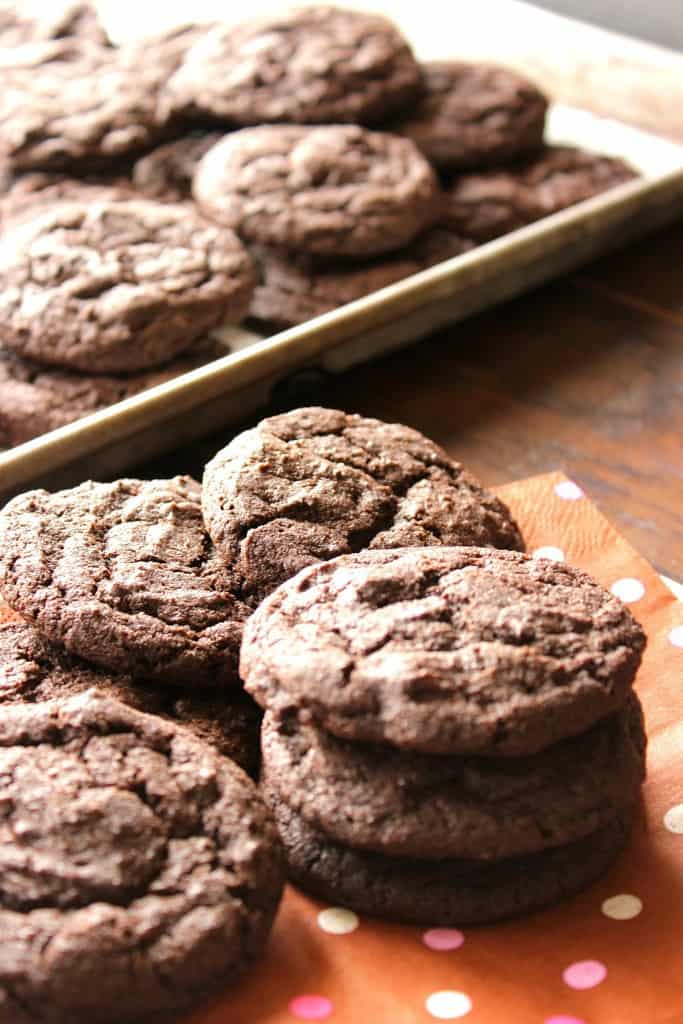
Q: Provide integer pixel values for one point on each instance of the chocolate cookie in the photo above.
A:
(69, 19)
(426, 806)
(124, 575)
(139, 871)
(167, 172)
(315, 483)
(73, 104)
(116, 286)
(30, 193)
(338, 190)
(292, 288)
(32, 670)
(446, 892)
(473, 115)
(35, 399)
(311, 65)
(444, 650)
(491, 203)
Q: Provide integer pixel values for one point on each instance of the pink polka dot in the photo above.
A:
(563, 1018)
(584, 974)
(568, 490)
(443, 939)
(310, 1007)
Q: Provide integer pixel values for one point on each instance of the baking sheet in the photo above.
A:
(114, 440)
(610, 956)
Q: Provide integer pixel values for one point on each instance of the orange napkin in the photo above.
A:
(614, 955)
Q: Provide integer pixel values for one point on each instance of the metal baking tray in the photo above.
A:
(231, 388)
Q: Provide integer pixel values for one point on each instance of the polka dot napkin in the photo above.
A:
(611, 956)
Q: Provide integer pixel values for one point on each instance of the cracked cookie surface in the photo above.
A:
(32, 670)
(125, 576)
(315, 483)
(487, 204)
(443, 650)
(334, 189)
(313, 65)
(482, 808)
(471, 115)
(69, 19)
(450, 892)
(140, 870)
(117, 286)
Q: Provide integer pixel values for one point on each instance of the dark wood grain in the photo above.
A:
(584, 375)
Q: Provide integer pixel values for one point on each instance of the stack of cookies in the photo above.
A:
(451, 735)
(341, 161)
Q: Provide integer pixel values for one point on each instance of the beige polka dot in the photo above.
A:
(337, 921)
(548, 551)
(622, 907)
(676, 636)
(673, 819)
(448, 1005)
(628, 589)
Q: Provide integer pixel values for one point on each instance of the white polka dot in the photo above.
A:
(448, 1005)
(628, 589)
(676, 636)
(622, 907)
(673, 819)
(554, 554)
(568, 490)
(337, 921)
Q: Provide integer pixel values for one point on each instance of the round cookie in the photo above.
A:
(314, 483)
(30, 193)
(446, 892)
(118, 286)
(317, 64)
(69, 103)
(166, 173)
(338, 190)
(291, 288)
(473, 115)
(35, 399)
(139, 871)
(32, 670)
(124, 575)
(425, 806)
(443, 650)
(487, 204)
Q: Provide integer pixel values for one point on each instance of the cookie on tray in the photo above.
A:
(474, 115)
(338, 190)
(292, 288)
(451, 892)
(443, 650)
(486, 204)
(32, 670)
(314, 483)
(146, 865)
(123, 575)
(316, 64)
(167, 172)
(431, 807)
(35, 399)
(114, 286)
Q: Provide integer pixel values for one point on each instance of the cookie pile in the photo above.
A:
(342, 163)
(451, 735)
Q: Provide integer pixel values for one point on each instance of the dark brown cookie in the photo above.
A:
(139, 871)
(446, 892)
(34, 191)
(167, 172)
(312, 65)
(487, 204)
(124, 576)
(66, 19)
(70, 104)
(35, 399)
(315, 483)
(32, 670)
(113, 286)
(474, 115)
(444, 650)
(337, 189)
(291, 288)
(425, 806)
